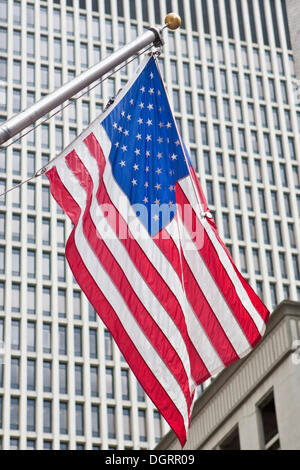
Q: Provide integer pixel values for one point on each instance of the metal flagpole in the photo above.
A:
(27, 117)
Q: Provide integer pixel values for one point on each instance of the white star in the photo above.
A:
(150, 106)
(157, 186)
(158, 171)
(145, 200)
(149, 122)
(135, 167)
(157, 201)
(161, 124)
(146, 184)
(126, 132)
(141, 105)
(151, 75)
(131, 101)
(128, 117)
(159, 93)
(171, 188)
(139, 136)
(177, 142)
(159, 155)
(117, 144)
(115, 125)
(160, 140)
(142, 89)
(137, 152)
(174, 157)
(147, 169)
(151, 91)
(120, 129)
(124, 148)
(122, 163)
(140, 121)
(155, 217)
(147, 153)
(134, 182)
(148, 137)
(168, 125)
(160, 109)
(170, 203)
(123, 113)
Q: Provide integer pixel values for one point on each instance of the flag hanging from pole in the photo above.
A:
(146, 252)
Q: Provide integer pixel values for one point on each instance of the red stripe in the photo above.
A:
(209, 255)
(151, 276)
(256, 301)
(62, 196)
(95, 296)
(157, 338)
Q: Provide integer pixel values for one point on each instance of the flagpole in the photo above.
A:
(27, 117)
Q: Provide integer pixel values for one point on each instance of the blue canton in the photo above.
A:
(146, 155)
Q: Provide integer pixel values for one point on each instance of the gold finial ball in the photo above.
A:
(173, 21)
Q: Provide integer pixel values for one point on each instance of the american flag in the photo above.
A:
(146, 252)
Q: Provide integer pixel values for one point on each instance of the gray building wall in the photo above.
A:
(293, 10)
(234, 396)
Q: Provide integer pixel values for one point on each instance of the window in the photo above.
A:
(47, 376)
(142, 425)
(31, 263)
(125, 384)
(30, 336)
(231, 442)
(47, 338)
(268, 420)
(269, 263)
(15, 334)
(94, 381)
(95, 421)
(62, 333)
(77, 341)
(47, 416)
(47, 301)
(126, 424)
(63, 381)
(16, 293)
(109, 382)
(46, 231)
(61, 268)
(256, 261)
(63, 417)
(31, 374)
(111, 425)
(46, 265)
(78, 379)
(30, 414)
(61, 303)
(14, 413)
(15, 373)
(93, 343)
(108, 345)
(79, 419)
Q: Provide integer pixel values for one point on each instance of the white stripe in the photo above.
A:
(196, 332)
(215, 299)
(240, 290)
(113, 296)
(119, 252)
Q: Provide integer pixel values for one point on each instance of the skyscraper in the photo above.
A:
(229, 74)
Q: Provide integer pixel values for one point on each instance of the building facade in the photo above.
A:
(229, 71)
(254, 404)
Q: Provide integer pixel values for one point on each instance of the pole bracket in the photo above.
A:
(158, 41)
